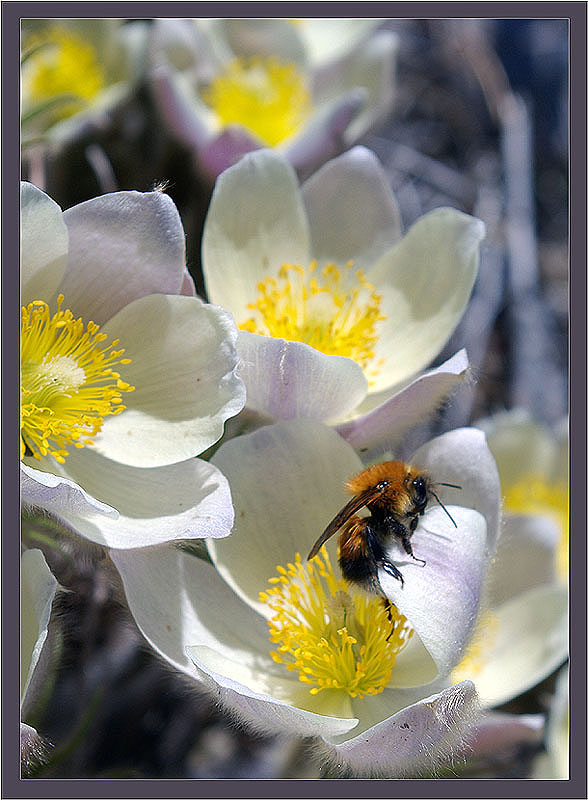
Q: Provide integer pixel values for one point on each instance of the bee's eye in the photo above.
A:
(420, 490)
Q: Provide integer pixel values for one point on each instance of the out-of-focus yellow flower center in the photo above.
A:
(335, 311)
(475, 656)
(266, 96)
(68, 384)
(63, 64)
(531, 494)
(333, 639)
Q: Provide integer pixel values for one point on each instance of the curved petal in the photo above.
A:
(527, 540)
(326, 40)
(256, 222)
(44, 244)
(225, 149)
(257, 708)
(425, 281)
(56, 494)
(289, 380)
(520, 445)
(123, 246)
(37, 591)
(287, 483)
(418, 738)
(262, 37)
(324, 135)
(531, 642)
(383, 427)
(371, 66)
(188, 604)
(463, 457)
(184, 372)
(187, 500)
(332, 197)
(453, 574)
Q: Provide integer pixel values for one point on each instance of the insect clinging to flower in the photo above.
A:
(396, 495)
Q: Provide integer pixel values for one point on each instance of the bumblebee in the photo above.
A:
(396, 495)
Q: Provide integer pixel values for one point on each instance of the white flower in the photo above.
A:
(122, 368)
(211, 622)
(522, 634)
(74, 71)
(310, 88)
(337, 310)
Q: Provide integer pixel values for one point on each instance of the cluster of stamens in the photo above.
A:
(68, 381)
(333, 639)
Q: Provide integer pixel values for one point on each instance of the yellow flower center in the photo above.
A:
(533, 495)
(335, 311)
(268, 97)
(63, 63)
(475, 656)
(333, 639)
(68, 384)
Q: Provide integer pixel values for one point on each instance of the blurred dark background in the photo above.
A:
(479, 123)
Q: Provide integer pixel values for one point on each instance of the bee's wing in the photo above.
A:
(357, 502)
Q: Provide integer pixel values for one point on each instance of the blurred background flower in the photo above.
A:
(74, 73)
(309, 87)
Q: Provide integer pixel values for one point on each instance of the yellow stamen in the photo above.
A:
(336, 311)
(476, 654)
(63, 64)
(68, 384)
(333, 639)
(268, 97)
(532, 494)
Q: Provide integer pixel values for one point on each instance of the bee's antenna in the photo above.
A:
(453, 485)
(441, 504)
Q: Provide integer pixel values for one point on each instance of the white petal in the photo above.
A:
(122, 246)
(259, 709)
(463, 457)
(520, 446)
(187, 500)
(324, 134)
(453, 574)
(179, 601)
(255, 223)
(527, 540)
(57, 494)
(531, 641)
(287, 483)
(371, 66)
(289, 380)
(383, 427)
(43, 244)
(418, 738)
(183, 368)
(248, 38)
(330, 39)
(425, 281)
(333, 195)
(37, 591)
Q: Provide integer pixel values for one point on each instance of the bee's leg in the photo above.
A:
(391, 569)
(388, 607)
(407, 544)
(380, 558)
